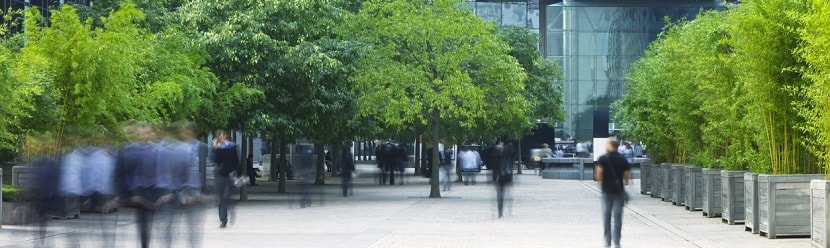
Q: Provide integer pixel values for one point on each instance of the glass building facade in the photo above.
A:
(595, 41)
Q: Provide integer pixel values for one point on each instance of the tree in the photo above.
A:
(287, 52)
(81, 77)
(765, 35)
(434, 64)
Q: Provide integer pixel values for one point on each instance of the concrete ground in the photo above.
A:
(542, 213)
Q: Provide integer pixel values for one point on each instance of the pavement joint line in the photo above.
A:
(644, 217)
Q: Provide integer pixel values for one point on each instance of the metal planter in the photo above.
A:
(784, 204)
(732, 191)
(655, 180)
(694, 188)
(678, 173)
(645, 178)
(711, 193)
(666, 180)
(751, 202)
(819, 200)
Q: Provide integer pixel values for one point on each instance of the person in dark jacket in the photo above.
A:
(502, 156)
(346, 164)
(381, 155)
(402, 160)
(227, 163)
(138, 172)
(613, 173)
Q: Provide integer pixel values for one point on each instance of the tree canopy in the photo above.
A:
(435, 65)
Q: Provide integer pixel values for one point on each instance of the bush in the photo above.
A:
(11, 193)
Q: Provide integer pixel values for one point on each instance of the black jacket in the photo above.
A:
(226, 159)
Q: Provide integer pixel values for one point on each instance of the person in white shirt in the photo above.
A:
(470, 161)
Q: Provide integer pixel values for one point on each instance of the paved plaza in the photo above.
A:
(542, 213)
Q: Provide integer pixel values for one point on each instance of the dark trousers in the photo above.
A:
(346, 182)
(500, 192)
(251, 176)
(144, 215)
(224, 188)
(612, 206)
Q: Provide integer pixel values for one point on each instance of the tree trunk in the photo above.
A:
(458, 172)
(418, 154)
(434, 182)
(272, 167)
(519, 156)
(320, 178)
(283, 168)
(243, 168)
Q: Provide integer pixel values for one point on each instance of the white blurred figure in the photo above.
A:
(470, 162)
(189, 184)
(87, 177)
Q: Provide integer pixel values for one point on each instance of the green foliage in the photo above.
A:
(12, 193)
(434, 61)
(814, 50)
(543, 87)
(436, 66)
(765, 34)
(9, 108)
(75, 75)
(726, 90)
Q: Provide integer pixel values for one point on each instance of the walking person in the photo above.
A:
(347, 168)
(402, 161)
(447, 168)
(380, 157)
(137, 179)
(227, 163)
(186, 174)
(613, 173)
(503, 156)
(470, 160)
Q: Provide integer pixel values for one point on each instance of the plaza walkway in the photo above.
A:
(542, 213)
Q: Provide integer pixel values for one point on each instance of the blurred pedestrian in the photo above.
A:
(447, 168)
(470, 162)
(227, 164)
(189, 191)
(347, 169)
(503, 155)
(401, 161)
(382, 157)
(613, 173)
(138, 174)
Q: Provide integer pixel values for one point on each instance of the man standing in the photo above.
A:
(347, 167)
(613, 173)
(227, 162)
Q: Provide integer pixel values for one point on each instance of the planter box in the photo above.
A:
(694, 188)
(819, 201)
(70, 206)
(18, 213)
(656, 180)
(784, 204)
(751, 202)
(666, 180)
(711, 193)
(732, 193)
(678, 172)
(645, 178)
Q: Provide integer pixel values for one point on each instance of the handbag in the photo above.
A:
(239, 181)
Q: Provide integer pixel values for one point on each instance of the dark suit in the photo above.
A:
(227, 161)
